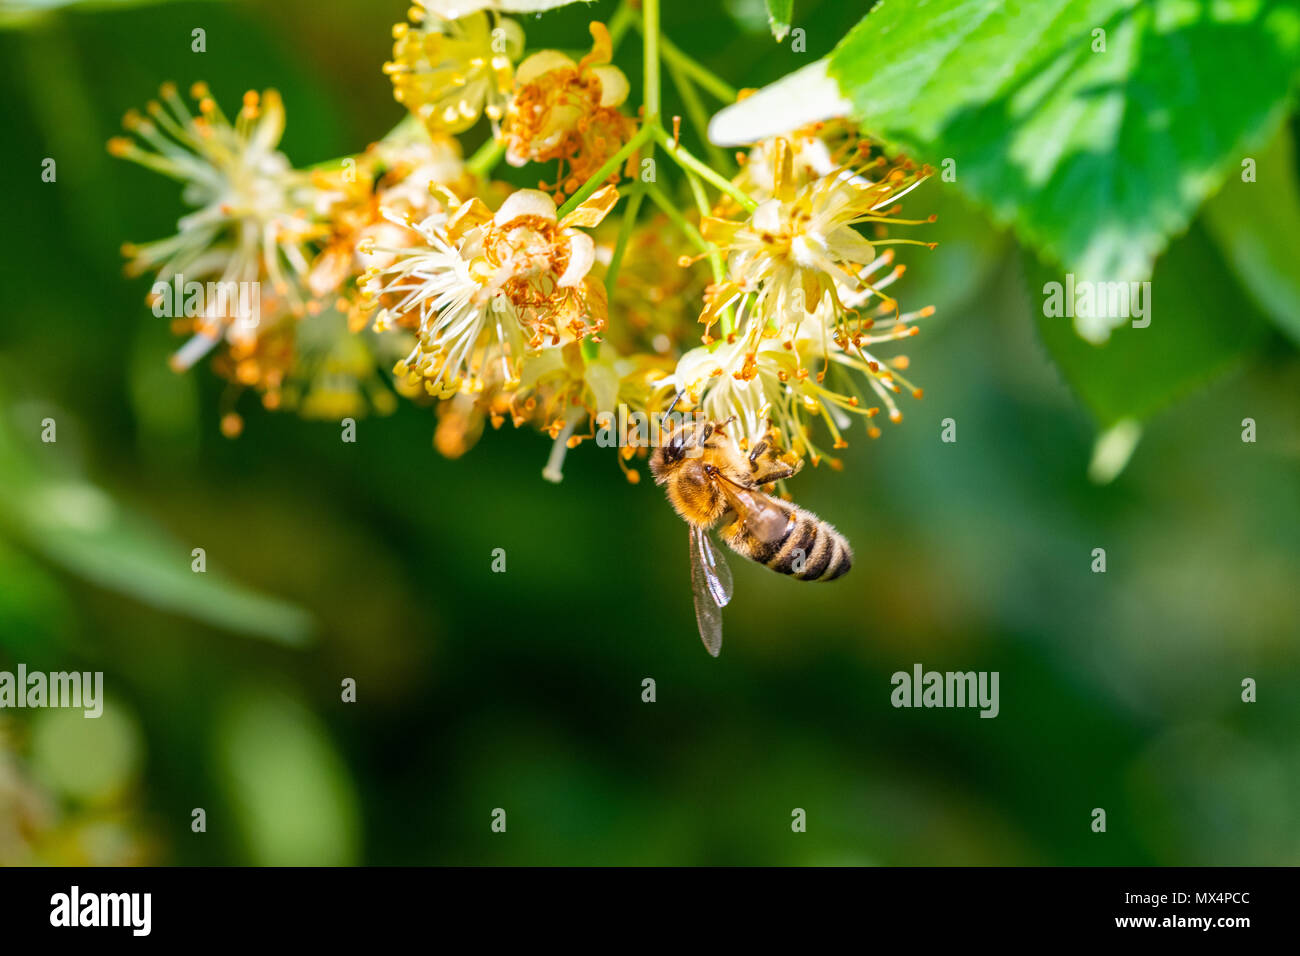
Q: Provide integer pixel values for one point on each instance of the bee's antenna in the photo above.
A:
(671, 405)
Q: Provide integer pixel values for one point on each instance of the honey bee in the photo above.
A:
(709, 480)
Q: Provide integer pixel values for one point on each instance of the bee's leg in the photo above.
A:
(729, 524)
(765, 464)
(764, 473)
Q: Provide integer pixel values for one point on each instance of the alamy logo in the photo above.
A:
(226, 300)
(637, 429)
(55, 689)
(1098, 304)
(952, 689)
(74, 908)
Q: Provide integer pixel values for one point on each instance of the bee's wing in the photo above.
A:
(761, 514)
(711, 587)
(713, 568)
(767, 521)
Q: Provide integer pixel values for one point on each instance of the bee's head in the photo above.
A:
(681, 444)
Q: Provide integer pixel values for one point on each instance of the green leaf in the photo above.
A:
(1257, 225)
(1095, 127)
(51, 511)
(779, 16)
(1198, 330)
(82, 529)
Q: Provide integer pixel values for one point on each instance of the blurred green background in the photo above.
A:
(522, 690)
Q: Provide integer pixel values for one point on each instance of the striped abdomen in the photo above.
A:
(808, 548)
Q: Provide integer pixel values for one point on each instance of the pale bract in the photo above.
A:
(806, 96)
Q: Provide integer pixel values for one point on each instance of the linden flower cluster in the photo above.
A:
(808, 294)
(759, 289)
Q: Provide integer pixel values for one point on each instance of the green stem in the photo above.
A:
(702, 206)
(670, 210)
(485, 158)
(649, 27)
(650, 34)
(727, 319)
(623, 18)
(611, 166)
(683, 158)
(624, 234)
(707, 80)
(697, 115)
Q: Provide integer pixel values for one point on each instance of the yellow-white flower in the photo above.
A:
(569, 111)
(448, 72)
(253, 218)
(787, 377)
(482, 288)
(398, 180)
(790, 257)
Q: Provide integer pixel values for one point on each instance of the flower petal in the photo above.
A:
(467, 216)
(767, 217)
(541, 62)
(592, 209)
(525, 202)
(613, 85)
(602, 46)
(720, 232)
(602, 379)
(582, 256)
(847, 244)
